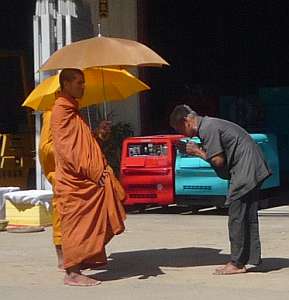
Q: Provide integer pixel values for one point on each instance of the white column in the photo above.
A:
(59, 31)
(37, 58)
(44, 44)
(67, 30)
(48, 27)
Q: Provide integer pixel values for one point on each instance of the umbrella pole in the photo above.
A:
(104, 96)
(88, 116)
(104, 110)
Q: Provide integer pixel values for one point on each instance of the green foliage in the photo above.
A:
(113, 146)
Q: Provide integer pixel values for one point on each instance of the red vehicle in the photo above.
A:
(147, 169)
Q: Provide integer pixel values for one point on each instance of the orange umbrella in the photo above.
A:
(102, 51)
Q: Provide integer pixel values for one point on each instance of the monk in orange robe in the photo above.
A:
(88, 196)
(47, 161)
(46, 158)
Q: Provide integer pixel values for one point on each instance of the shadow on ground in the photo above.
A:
(152, 263)
(149, 263)
(176, 209)
(270, 264)
(270, 198)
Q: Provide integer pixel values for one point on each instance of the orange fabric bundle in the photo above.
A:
(46, 155)
(47, 161)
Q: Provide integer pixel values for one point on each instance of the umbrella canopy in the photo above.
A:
(101, 84)
(103, 52)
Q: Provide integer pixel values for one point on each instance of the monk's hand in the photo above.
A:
(101, 181)
(104, 129)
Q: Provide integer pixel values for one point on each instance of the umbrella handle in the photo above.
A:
(99, 31)
(88, 117)
(104, 95)
(105, 110)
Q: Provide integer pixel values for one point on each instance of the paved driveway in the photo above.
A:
(162, 255)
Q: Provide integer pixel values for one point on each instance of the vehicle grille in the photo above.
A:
(143, 196)
(197, 187)
(142, 186)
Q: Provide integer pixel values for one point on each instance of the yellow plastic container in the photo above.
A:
(25, 214)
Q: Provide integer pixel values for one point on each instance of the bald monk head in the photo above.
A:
(72, 83)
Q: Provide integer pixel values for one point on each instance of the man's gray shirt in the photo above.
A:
(245, 164)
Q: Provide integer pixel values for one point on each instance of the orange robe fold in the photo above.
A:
(47, 161)
(90, 214)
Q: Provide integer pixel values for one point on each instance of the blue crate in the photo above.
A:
(195, 177)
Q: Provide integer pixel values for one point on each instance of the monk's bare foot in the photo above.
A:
(229, 269)
(60, 268)
(76, 279)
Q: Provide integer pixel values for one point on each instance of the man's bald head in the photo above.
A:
(72, 83)
(68, 75)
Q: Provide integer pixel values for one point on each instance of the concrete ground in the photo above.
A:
(167, 254)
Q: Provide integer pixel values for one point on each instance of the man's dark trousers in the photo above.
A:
(244, 230)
